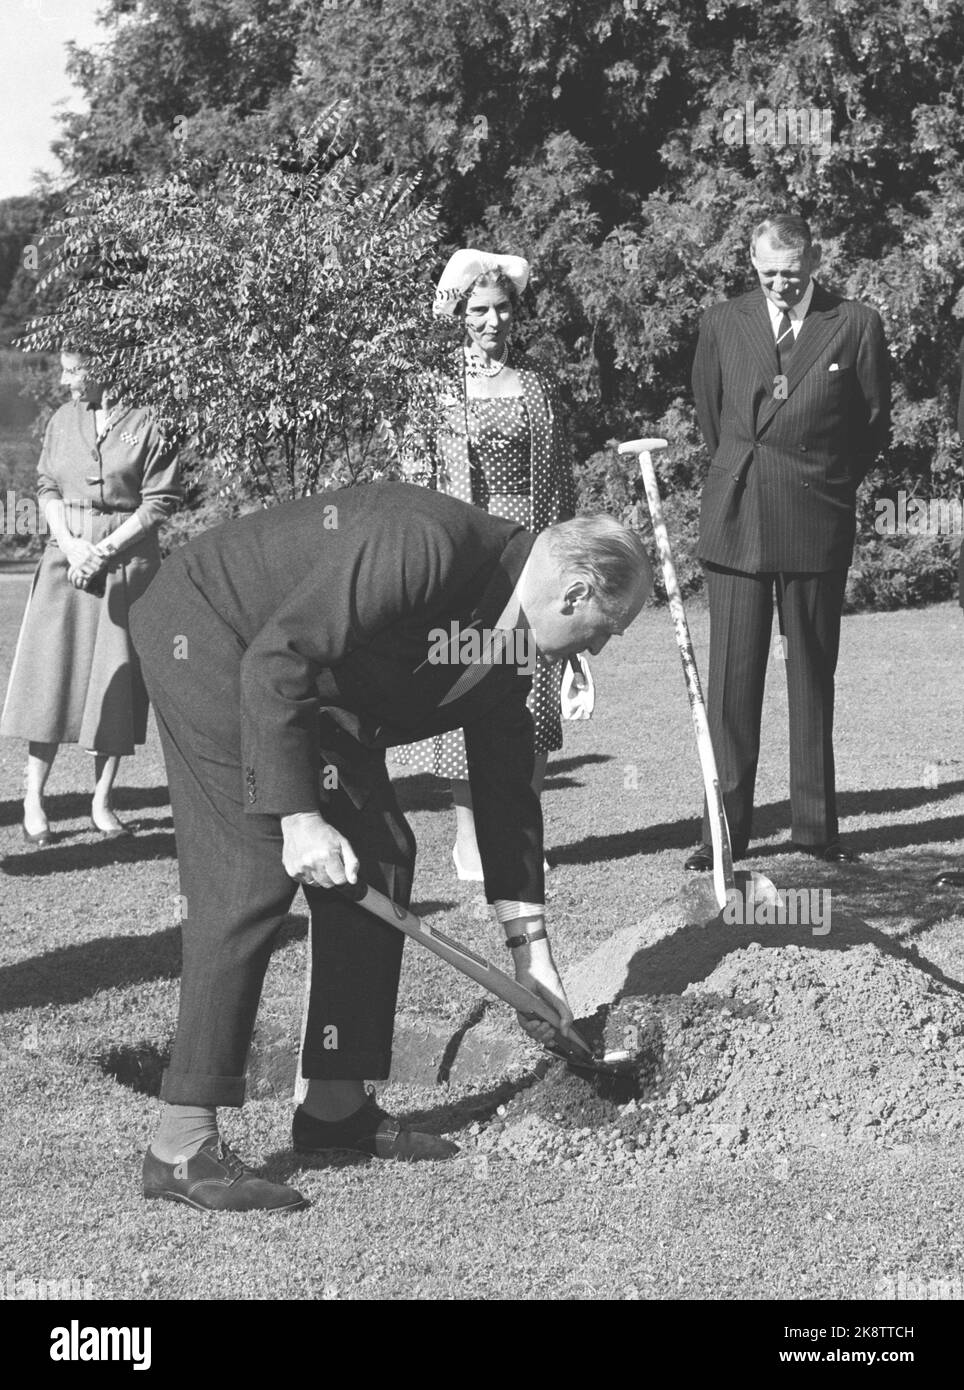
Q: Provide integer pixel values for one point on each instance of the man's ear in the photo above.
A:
(816, 253)
(577, 590)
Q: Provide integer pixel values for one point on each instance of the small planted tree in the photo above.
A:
(275, 313)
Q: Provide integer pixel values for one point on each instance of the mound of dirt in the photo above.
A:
(779, 1048)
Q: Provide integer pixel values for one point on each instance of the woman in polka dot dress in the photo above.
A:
(496, 443)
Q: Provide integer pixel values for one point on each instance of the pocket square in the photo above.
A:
(834, 367)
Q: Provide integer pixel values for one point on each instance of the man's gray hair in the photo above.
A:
(608, 555)
(787, 231)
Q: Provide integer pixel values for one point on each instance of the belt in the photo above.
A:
(97, 508)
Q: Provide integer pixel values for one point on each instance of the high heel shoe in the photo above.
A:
(475, 877)
(37, 837)
(42, 837)
(116, 833)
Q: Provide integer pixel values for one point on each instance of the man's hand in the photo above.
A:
(315, 853)
(535, 968)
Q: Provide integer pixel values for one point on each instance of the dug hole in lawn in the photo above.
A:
(843, 1044)
(748, 1041)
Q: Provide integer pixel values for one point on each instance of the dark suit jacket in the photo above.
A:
(786, 459)
(308, 641)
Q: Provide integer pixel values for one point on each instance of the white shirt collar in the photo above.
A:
(798, 312)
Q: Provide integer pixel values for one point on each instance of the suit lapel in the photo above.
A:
(755, 323)
(822, 322)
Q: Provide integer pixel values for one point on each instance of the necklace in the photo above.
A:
(474, 366)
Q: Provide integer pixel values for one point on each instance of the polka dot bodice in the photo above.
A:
(503, 454)
(501, 448)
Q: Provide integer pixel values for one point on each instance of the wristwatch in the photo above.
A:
(514, 942)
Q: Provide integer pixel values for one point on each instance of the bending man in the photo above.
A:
(284, 652)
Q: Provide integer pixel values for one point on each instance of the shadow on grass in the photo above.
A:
(75, 972)
(76, 805)
(556, 779)
(70, 853)
(775, 816)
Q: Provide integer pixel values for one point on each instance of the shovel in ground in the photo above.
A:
(706, 899)
(569, 1046)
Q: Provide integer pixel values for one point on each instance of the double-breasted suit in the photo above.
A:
(788, 450)
(284, 652)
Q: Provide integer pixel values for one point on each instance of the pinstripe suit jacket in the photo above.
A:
(787, 455)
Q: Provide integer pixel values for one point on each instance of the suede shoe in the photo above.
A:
(370, 1130)
(215, 1179)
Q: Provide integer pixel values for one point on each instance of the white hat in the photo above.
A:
(465, 267)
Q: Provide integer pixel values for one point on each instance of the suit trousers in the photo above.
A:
(235, 896)
(741, 618)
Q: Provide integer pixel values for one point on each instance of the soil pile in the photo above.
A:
(777, 1049)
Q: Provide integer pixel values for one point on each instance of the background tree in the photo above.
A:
(275, 317)
(594, 137)
(200, 75)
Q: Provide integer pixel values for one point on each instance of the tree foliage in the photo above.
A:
(274, 316)
(595, 139)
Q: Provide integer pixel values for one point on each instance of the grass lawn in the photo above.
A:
(88, 990)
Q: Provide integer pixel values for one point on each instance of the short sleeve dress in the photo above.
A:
(503, 454)
(75, 676)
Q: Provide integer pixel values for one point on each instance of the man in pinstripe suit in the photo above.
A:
(792, 393)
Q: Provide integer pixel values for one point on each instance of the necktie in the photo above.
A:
(785, 339)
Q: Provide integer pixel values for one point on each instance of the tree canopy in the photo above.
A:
(626, 146)
(272, 317)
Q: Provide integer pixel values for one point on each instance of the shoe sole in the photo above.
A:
(199, 1206)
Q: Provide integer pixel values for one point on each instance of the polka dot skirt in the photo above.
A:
(500, 481)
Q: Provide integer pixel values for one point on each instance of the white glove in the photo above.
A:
(578, 694)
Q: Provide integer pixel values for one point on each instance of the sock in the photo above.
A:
(183, 1129)
(333, 1101)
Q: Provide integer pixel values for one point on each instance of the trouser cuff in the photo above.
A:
(188, 1088)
